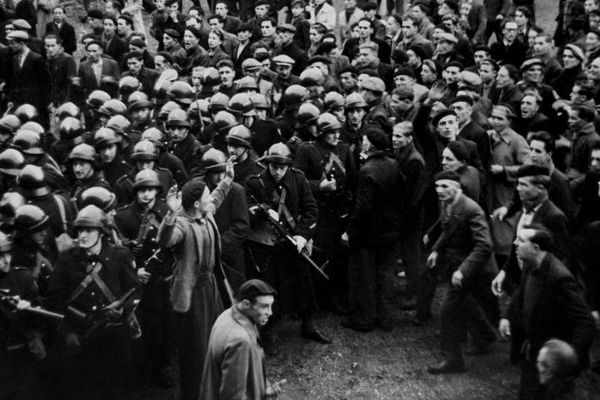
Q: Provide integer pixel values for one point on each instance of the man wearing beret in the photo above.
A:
(461, 252)
(287, 46)
(235, 363)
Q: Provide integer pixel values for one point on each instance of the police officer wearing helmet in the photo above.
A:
(87, 279)
(183, 145)
(287, 194)
(11, 163)
(82, 160)
(71, 134)
(139, 222)
(166, 159)
(108, 144)
(105, 200)
(331, 173)
(239, 147)
(292, 98)
(140, 112)
(145, 156)
(121, 126)
(92, 104)
(8, 126)
(355, 126)
(305, 127)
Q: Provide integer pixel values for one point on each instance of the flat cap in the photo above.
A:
(462, 99)
(316, 59)
(261, 3)
(251, 64)
(95, 13)
(470, 78)
(447, 176)
(172, 33)
(442, 114)
(21, 24)
(532, 170)
(448, 37)
(137, 42)
(373, 84)
(577, 51)
(254, 288)
(530, 63)
(18, 35)
(284, 59)
(287, 28)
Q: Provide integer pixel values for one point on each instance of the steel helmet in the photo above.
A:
(177, 118)
(210, 77)
(259, 101)
(328, 123)
(9, 123)
(27, 142)
(83, 152)
(167, 108)
(9, 203)
(241, 104)
(239, 135)
(307, 114)
(67, 110)
(224, 121)
(97, 98)
(180, 92)
(218, 102)
(26, 112)
(11, 162)
(246, 83)
(70, 131)
(33, 126)
(105, 137)
(100, 197)
(154, 135)
(128, 85)
(294, 94)
(333, 100)
(118, 123)
(279, 153)
(311, 77)
(146, 178)
(138, 100)
(355, 100)
(6, 243)
(144, 150)
(113, 107)
(32, 181)
(30, 218)
(198, 109)
(214, 161)
(90, 217)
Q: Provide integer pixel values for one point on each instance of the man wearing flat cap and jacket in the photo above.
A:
(285, 35)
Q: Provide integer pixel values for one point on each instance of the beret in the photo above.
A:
(254, 288)
(325, 47)
(404, 94)
(459, 150)
(21, 24)
(244, 27)
(173, 33)
(470, 78)
(378, 138)
(95, 13)
(530, 63)
(315, 59)
(226, 62)
(463, 99)
(261, 3)
(191, 192)
(251, 64)
(577, 51)
(448, 176)
(448, 37)
(93, 42)
(453, 5)
(284, 59)
(400, 56)
(18, 35)
(442, 114)
(420, 51)
(299, 3)
(287, 28)
(137, 42)
(456, 64)
(532, 170)
(373, 84)
(404, 71)
(481, 47)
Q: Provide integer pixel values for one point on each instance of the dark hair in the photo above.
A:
(586, 90)
(542, 236)
(222, 2)
(127, 18)
(134, 54)
(397, 17)
(271, 20)
(319, 27)
(61, 7)
(513, 72)
(413, 20)
(116, 4)
(491, 63)
(196, 8)
(217, 17)
(524, 10)
(55, 37)
(366, 19)
(194, 32)
(544, 137)
(166, 55)
(586, 113)
(369, 6)
(352, 70)
(219, 33)
(111, 17)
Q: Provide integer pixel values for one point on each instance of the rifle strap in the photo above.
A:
(282, 209)
(92, 276)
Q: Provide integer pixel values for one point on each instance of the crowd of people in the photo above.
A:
(172, 191)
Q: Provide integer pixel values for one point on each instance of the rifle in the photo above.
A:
(283, 232)
(14, 300)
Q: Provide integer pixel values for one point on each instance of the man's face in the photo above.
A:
(134, 65)
(315, 36)
(487, 73)
(159, 4)
(545, 364)
(417, 12)
(146, 195)
(267, 29)
(575, 96)
(260, 310)
(278, 171)
(189, 40)
(58, 15)
(589, 6)
(498, 121)
(52, 47)
(569, 59)
(122, 27)
(448, 127)
(82, 169)
(5, 259)
(364, 29)
(527, 190)
(399, 105)
(449, 161)
(193, 22)
(109, 27)
(161, 63)
(591, 41)
(227, 74)
(197, 78)
(140, 115)
(575, 122)
(400, 138)
(462, 110)
(595, 161)
(594, 21)
(168, 41)
(88, 237)
(526, 250)
(534, 74)
(510, 31)
(297, 11)
(243, 36)
(445, 190)
(451, 75)
(404, 82)
(444, 47)
(538, 154)
(178, 133)
(214, 24)
(236, 151)
(332, 139)
(283, 70)
(363, 57)
(348, 81)
(408, 29)
(260, 11)
(144, 164)
(503, 78)
(356, 115)
(108, 153)
(221, 9)
(213, 179)
(480, 56)
(541, 48)
(529, 106)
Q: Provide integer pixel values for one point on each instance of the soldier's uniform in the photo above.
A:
(80, 185)
(124, 186)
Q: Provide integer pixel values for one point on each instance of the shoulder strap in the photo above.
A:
(92, 276)
(62, 211)
(282, 208)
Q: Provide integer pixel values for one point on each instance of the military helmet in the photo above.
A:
(90, 217)
(328, 123)
(279, 153)
(180, 92)
(119, 124)
(311, 77)
(239, 135)
(105, 137)
(6, 243)
(11, 162)
(214, 161)
(100, 197)
(30, 219)
(355, 100)
(294, 94)
(241, 104)
(177, 118)
(128, 85)
(169, 106)
(71, 131)
(9, 203)
(246, 83)
(33, 126)
(146, 178)
(210, 77)
(26, 112)
(9, 123)
(259, 101)
(144, 150)
(67, 109)
(218, 102)
(27, 142)
(307, 114)
(138, 100)
(154, 135)
(32, 181)
(198, 109)
(83, 152)
(113, 107)
(333, 100)
(224, 121)
(97, 98)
